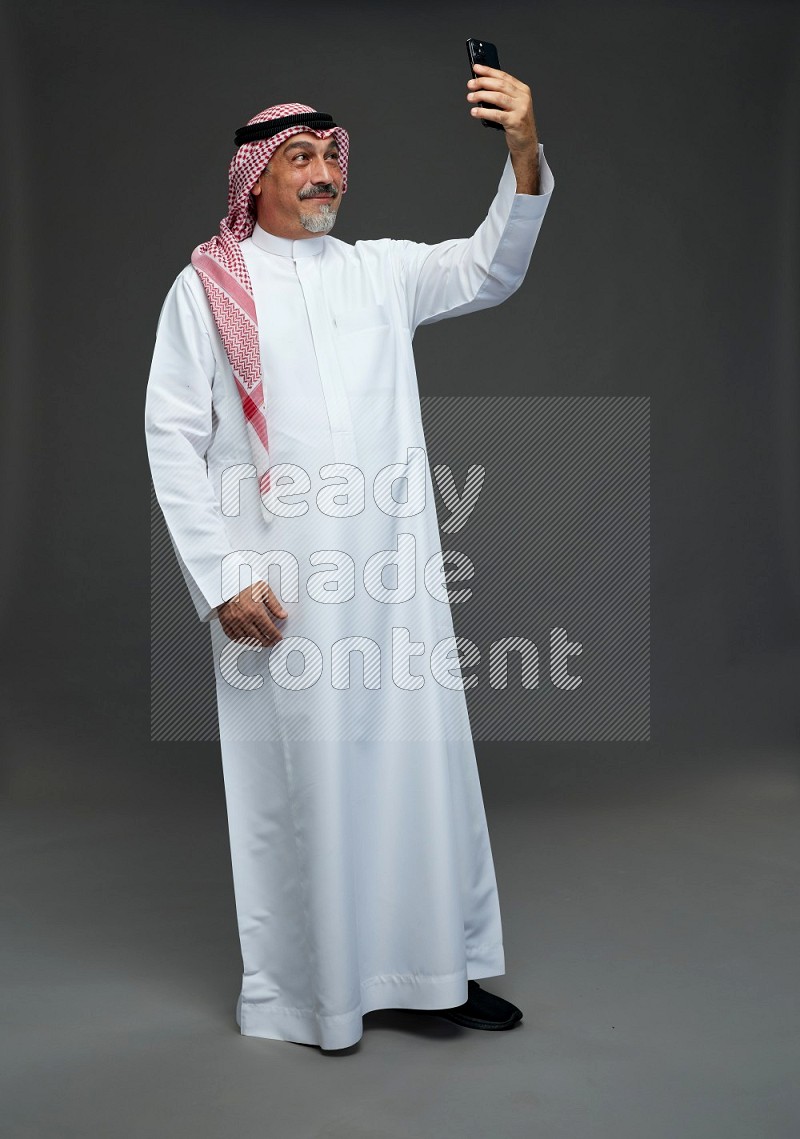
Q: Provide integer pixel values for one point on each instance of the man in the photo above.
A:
(284, 432)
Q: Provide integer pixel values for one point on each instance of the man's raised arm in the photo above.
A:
(467, 274)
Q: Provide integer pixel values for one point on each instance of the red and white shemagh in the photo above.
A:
(222, 269)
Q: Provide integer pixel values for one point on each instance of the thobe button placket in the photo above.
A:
(333, 388)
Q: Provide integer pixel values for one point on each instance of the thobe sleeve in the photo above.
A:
(464, 275)
(178, 428)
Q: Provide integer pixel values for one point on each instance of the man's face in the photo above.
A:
(298, 193)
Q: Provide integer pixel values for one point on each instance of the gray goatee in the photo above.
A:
(321, 220)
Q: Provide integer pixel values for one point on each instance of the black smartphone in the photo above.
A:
(481, 51)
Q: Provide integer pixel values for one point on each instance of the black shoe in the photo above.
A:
(480, 1010)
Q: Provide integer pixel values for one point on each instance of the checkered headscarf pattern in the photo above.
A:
(223, 272)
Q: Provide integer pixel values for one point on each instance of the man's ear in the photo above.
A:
(256, 188)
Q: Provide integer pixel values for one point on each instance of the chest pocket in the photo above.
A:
(365, 349)
(362, 319)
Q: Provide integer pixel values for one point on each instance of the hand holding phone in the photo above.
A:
(481, 51)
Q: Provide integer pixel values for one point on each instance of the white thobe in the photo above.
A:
(362, 868)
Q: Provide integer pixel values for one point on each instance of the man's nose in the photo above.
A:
(321, 171)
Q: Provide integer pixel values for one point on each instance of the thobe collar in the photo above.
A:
(284, 246)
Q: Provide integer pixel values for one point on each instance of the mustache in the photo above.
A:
(320, 192)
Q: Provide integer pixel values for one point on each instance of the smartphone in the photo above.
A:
(481, 51)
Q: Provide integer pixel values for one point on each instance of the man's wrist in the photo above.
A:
(526, 168)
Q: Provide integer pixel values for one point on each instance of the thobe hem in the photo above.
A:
(393, 991)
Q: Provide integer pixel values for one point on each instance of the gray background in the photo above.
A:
(649, 889)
